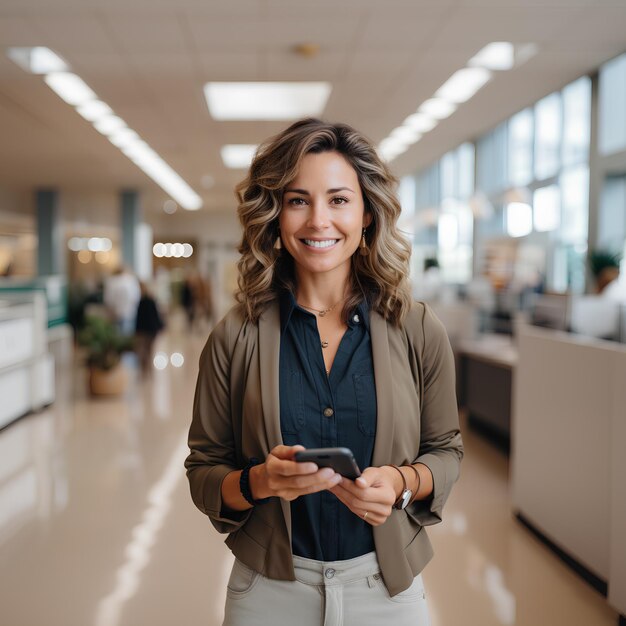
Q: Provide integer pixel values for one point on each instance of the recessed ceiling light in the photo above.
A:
(266, 101)
(499, 55)
(238, 156)
(37, 60)
(437, 108)
(69, 87)
(169, 206)
(463, 84)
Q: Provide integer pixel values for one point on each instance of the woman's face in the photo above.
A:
(323, 216)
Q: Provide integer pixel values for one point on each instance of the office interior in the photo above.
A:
(505, 123)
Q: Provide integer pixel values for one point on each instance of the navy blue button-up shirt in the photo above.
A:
(320, 411)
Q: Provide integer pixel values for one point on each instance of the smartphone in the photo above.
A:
(340, 459)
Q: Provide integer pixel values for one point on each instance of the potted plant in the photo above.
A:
(604, 266)
(104, 345)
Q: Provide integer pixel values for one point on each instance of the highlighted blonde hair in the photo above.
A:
(381, 277)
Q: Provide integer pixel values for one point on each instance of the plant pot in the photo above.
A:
(111, 382)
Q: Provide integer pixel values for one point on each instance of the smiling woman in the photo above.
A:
(347, 186)
(325, 349)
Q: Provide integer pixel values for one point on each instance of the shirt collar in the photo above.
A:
(288, 304)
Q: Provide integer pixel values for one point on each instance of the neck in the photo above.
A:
(321, 290)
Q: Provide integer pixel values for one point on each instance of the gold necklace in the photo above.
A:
(321, 312)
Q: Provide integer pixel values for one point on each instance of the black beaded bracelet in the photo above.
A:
(244, 483)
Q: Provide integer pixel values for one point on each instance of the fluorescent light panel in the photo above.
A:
(37, 60)
(437, 108)
(266, 101)
(69, 87)
(462, 85)
(93, 110)
(420, 122)
(238, 156)
(499, 55)
(73, 90)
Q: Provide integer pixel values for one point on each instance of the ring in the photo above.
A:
(365, 514)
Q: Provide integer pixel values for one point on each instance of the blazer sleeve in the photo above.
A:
(211, 437)
(441, 445)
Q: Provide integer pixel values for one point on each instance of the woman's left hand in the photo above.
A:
(374, 493)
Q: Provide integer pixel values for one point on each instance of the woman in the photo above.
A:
(325, 349)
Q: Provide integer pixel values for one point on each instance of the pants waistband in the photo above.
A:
(314, 572)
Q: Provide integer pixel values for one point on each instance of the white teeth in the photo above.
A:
(320, 244)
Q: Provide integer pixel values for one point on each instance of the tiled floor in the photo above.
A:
(97, 527)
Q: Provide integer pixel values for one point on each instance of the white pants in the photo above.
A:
(340, 593)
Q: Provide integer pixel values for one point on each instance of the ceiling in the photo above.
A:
(149, 59)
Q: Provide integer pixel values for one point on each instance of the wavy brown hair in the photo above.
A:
(381, 277)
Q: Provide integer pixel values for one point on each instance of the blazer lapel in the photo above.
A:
(269, 356)
(269, 360)
(384, 389)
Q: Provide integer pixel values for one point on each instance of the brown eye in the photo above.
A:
(296, 201)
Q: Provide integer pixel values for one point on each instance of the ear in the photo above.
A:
(367, 219)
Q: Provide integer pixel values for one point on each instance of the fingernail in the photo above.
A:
(336, 479)
(326, 473)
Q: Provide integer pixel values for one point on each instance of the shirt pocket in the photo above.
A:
(292, 410)
(364, 391)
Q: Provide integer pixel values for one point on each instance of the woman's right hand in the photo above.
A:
(284, 477)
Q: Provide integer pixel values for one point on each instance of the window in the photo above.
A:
(519, 219)
(492, 158)
(521, 148)
(612, 106)
(548, 118)
(574, 184)
(465, 156)
(576, 122)
(547, 208)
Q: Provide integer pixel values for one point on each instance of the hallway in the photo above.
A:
(97, 526)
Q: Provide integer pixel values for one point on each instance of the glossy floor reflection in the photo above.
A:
(97, 527)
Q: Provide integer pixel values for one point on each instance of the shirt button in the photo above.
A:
(328, 412)
(329, 573)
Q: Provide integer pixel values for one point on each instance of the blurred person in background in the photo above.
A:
(325, 348)
(121, 297)
(431, 287)
(148, 325)
(188, 298)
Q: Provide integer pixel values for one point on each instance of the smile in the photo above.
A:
(325, 243)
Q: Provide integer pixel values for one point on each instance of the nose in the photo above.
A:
(318, 216)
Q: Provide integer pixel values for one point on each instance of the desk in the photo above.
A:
(486, 369)
(568, 462)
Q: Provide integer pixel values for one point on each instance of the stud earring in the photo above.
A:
(363, 249)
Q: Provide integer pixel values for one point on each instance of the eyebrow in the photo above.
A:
(304, 192)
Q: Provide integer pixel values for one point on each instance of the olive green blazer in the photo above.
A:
(236, 416)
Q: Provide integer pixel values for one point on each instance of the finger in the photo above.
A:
(376, 513)
(291, 468)
(323, 479)
(357, 504)
(297, 488)
(369, 476)
(286, 452)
